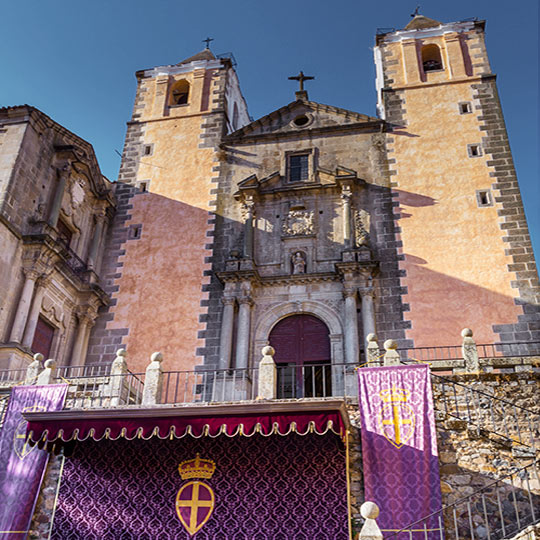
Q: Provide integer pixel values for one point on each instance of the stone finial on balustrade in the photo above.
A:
(469, 351)
(34, 369)
(267, 374)
(47, 375)
(117, 380)
(153, 380)
(391, 356)
(370, 530)
(373, 352)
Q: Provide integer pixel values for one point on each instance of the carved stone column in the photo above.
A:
(346, 196)
(63, 176)
(35, 310)
(242, 333)
(24, 306)
(351, 326)
(226, 337)
(96, 239)
(248, 212)
(368, 315)
(86, 321)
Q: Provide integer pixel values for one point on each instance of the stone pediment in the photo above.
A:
(304, 116)
(276, 182)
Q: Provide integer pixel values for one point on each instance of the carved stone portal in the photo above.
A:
(298, 223)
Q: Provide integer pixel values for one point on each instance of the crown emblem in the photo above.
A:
(197, 468)
(395, 394)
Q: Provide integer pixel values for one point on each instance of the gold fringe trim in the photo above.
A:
(240, 430)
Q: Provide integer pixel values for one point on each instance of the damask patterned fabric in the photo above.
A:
(278, 488)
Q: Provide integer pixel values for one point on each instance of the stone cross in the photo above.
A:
(301, 78)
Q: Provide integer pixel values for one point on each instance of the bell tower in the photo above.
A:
(466, 255)
(160, 248)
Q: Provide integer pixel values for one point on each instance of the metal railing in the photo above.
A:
(499, 510)
(209, 385)
(73, 372)
(103, 391)
(486, 412)
(316, 380)
(9, 377)
(454, 352)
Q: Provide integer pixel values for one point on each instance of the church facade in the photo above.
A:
(266, 260)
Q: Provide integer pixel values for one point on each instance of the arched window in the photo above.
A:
(179, 93)
(431, 58)
(302, 345)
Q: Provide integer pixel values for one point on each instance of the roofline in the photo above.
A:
(382, 37)
(243, 132)
(27, 112)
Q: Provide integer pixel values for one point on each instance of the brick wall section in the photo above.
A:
(104, 342)
(512, 216)
(213, 128)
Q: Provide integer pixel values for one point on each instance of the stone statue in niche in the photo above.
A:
(361, 228)
(298, 223)
(298, 262)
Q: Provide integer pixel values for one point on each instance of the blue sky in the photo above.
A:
(76, 60)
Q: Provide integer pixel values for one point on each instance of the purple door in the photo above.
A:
(302, 345)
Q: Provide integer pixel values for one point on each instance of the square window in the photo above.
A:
(474, 150)
(465, 107)
(134, 232)
(148, 149)
(298, 167)
(143, 186)
(483, 197)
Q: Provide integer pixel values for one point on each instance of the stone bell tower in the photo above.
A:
(160, 248)
(466, 251)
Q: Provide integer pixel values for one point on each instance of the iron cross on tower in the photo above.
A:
(207, 41)
(301, 78)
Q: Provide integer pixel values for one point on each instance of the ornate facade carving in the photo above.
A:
(298, 223)
(361, 227)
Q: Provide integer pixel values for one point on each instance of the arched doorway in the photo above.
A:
(302, 345)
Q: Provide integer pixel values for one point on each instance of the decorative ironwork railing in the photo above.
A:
(499, 510)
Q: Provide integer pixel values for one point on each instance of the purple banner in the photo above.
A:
(22, 466)
(399, 446)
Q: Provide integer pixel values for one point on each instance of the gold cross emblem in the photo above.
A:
(397, 413)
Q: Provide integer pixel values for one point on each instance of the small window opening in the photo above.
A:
(298, 167)
(301, 120)
(483, 197)
(180, 93)
(147, 150)
(143, 186)
(465, 108)
(474, 150)
(135, 232)
(431, 58)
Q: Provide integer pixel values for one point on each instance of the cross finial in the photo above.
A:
(207, 41)
(301, 78)
(415, 11)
